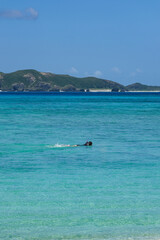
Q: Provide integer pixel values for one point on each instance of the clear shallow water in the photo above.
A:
(108, 191)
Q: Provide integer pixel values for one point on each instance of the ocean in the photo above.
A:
(110, 190)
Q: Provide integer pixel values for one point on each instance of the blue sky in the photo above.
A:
(111, 39)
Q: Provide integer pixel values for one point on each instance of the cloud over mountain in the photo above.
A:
(97, 73)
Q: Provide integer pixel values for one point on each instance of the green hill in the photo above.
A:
(32, 80)
(142, 87)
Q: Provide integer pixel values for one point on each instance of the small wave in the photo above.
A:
(57, 145)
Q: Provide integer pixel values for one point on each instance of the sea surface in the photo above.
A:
(110, 190)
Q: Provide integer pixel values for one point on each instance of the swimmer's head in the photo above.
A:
(88, 143)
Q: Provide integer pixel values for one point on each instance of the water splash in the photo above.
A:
(57, 145)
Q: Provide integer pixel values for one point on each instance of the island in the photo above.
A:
(32, 80)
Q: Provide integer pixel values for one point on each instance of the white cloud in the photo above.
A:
(73, 70)
(28, 14)
(98, 73)
(137, 71)
(116, 70)
(11, 14)
(31, 13)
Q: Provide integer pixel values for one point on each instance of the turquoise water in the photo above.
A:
(108, 191)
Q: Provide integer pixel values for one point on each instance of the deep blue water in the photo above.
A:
(108, 191)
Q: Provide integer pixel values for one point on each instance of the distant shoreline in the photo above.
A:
(109, 90)
(78, 92)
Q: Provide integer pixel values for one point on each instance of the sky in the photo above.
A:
(118, 40)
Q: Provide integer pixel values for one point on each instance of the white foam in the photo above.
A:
(57, 145)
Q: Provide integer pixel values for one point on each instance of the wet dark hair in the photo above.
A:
(88, 143)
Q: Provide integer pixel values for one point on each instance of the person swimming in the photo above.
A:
(79, 145)
(85, 144)
(88, 144)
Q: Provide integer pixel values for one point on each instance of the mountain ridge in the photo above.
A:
(33, 80)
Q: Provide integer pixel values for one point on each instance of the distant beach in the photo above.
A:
(110, 90)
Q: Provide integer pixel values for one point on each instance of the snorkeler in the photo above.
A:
(86, 144)
(79, 145)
